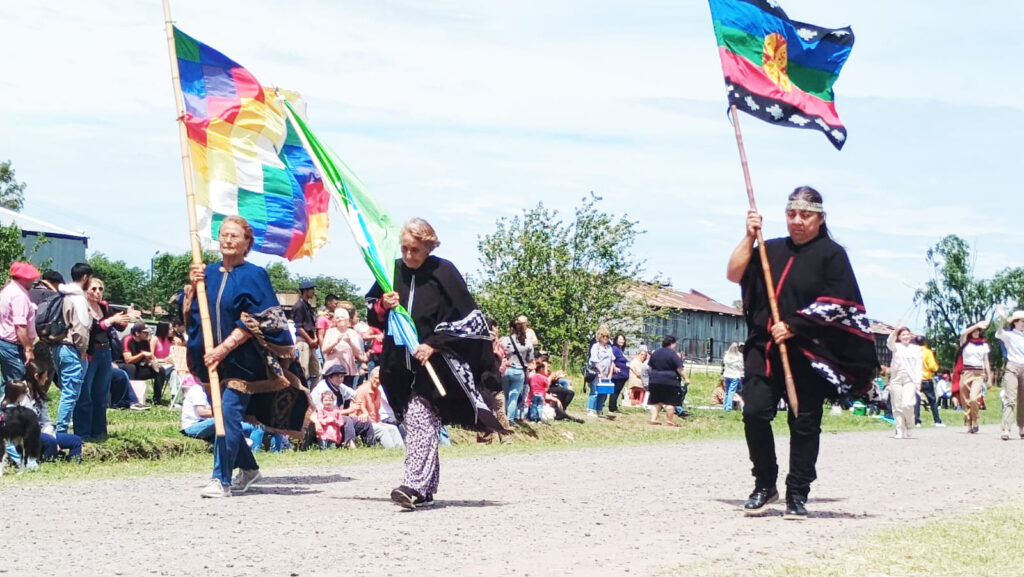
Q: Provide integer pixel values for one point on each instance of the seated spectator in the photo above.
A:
(559, 395)
(539, 382)
(333, 381)
(718, 394)
(122, 396)
(138, 354)
(367, 408)
(197, 415)
(160, 343)
(32, 395)
(329, 422)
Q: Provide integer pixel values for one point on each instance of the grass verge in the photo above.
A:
(975, 545)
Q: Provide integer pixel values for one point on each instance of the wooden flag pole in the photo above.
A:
(190, 197)
(766, 267)
(352, 225)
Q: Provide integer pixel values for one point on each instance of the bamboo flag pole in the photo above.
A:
(190, 196)
(766, 267)
(352, 225)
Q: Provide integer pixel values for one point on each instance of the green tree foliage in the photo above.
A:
(1008, 287)
(280, 278)
(12, 192)
(342, 288)
(953, 298)
(567, 276)
(170, 275)
(124, 284)
(11, 249)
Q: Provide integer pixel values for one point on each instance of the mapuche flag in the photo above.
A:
(246, 159)
(778, 69)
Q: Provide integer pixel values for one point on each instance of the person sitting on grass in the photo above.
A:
(539, 382)
(332, 382)
(197, 415)
(329, 421)
(559, 395)
(366, 408)
(32, 395)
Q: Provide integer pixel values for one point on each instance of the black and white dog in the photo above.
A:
(21, 427)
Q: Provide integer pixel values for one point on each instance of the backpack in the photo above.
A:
(50, 324)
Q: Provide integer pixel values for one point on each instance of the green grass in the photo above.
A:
(975, 545)
(144, 443)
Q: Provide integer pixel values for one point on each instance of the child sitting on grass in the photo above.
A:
(32, 395)
(539, 382)
(329, 422)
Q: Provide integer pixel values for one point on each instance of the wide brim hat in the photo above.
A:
(983, 325)
(1016, 316)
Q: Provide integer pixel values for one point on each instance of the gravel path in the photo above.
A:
(656, 510)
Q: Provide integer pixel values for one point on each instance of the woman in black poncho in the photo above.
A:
(831, 349)
(454, 337)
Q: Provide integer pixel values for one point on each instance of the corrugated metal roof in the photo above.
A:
(693, 301)
(29, 224)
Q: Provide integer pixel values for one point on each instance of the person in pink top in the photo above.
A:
(343, 346)
(329, 422)
(17, 323)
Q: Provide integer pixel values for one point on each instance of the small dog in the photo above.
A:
(21, 427)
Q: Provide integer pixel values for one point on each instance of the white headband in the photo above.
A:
(802, 204)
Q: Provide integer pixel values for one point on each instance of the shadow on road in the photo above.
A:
(305, 480)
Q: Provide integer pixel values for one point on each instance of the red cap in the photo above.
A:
(24, 271)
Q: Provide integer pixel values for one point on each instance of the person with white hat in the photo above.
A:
(974, 370)
(1013, 376)
(905, 379)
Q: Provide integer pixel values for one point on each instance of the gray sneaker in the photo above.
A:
(215, 490)
(245, 479)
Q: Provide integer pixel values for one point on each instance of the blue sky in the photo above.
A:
(463, 112)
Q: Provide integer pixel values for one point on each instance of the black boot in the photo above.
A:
(795, 509)
(759, 499)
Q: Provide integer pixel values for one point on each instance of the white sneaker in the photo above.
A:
(592, 414)
(940, 425)
(214, 490)
(898, 435)
(245, 479)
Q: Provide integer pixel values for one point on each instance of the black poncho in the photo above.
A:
(819, 299)
(447, 319)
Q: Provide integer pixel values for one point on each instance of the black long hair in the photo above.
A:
(811, 195)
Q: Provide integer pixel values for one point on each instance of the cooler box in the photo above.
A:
(605, 387)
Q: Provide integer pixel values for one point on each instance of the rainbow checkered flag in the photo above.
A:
(246, 159)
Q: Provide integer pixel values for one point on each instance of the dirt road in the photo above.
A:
(653, 510)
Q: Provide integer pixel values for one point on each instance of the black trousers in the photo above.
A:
(761, 399)
(564, 394)
(613, 400)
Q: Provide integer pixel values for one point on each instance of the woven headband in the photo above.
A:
(802, 204)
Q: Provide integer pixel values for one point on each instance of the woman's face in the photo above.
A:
(341, 321)
(803, 225)
(603, 339)
(95, 292)
(620, 341)
(1018, 325)
(906, 337)
(232, 240)
(976, 334)
(414, 252)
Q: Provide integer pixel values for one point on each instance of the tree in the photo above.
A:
(342, 288)
(12, 193)
(1008, 287)
(280, 278)
(953, 298)
(11, 249)
(568, 277)
(170, 275)
(124, 284)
